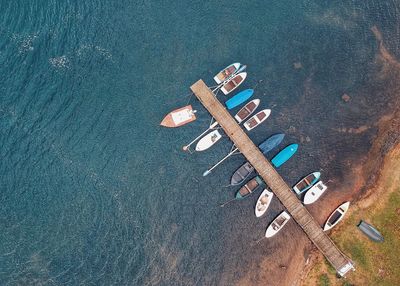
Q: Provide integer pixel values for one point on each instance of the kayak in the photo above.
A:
(239, 98)
(208, 140)
(263, 202)
(284, 155)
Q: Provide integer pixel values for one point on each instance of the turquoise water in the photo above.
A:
(94, 192)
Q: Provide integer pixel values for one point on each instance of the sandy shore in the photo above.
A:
(290, 264)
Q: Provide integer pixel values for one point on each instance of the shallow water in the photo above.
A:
(94, 192)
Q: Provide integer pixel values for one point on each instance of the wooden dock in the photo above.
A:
(339, 261)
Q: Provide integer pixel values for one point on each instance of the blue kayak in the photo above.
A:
(370, 231)
(239, 98)
(284, 155)
(271, 143)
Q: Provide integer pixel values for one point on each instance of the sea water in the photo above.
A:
(94, 192)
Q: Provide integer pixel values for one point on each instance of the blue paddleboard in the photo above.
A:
(284, 155)
(239, 98)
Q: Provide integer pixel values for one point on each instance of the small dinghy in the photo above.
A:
(314, 193)
(277, 224)
(257, 119)
(247, 110)
(179, 117)
(241, 174)
(263, 202)
(370, 231)
(226, 73)
(284, 155)
(239, 98)
(249, 188)
(306, 183)
(233, 83)
(208, 140)
(336, 216)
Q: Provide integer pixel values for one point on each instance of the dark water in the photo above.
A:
(94, 192)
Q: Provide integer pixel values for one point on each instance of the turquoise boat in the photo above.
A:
(239, 98)
(284, 155)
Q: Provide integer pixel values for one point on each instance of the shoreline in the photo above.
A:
(371, 171)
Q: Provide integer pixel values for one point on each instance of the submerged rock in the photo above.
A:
(346, 97)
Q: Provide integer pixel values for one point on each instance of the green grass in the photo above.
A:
(324, 280)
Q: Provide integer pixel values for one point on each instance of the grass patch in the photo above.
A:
(324, 280)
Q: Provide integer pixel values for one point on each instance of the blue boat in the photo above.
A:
(284, 155)
(370, 231)
(239, 98)
(271, 143)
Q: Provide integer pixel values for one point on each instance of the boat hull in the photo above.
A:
(209, 140)
(239, 98)
(314, 193)
(226, 73)
(277, 224)
(250, 187)
(257, 119)
(306, 183)
(179, 117)
(233, 83)
(241, 174)
(370, 231)
(247, 110)
(284, 155)
(263, 202)
(272, 142)
(336, 216)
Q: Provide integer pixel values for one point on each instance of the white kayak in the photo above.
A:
(336, 216)
(277, 224)
(263, 202)
(314, 193)
(208, 140)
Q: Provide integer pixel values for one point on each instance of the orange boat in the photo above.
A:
(179, 117)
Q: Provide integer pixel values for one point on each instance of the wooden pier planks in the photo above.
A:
(271, 177)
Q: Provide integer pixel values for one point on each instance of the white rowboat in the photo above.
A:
(257, 119)
(314, 193)
(278, 223)
(263, 202)
(336, 216)
(226, 73)
(233, 83)
(208, 140)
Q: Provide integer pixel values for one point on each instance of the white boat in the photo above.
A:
(226, 73)
(277, 224)
(233, 83)
(336, 216)
(208, 140)
(263, 202)
(257, 119)
(247, 110)
(314, 193)
(179, 117)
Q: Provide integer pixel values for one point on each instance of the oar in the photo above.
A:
(219, 162)
(227, 202)
(186, 147)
